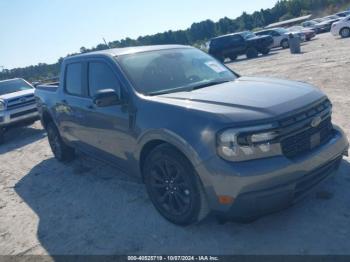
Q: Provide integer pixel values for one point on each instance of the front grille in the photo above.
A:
(299, 137)
(301, 143)
(23, 113)
(21, 102)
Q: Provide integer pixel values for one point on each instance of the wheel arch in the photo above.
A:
(154, 138)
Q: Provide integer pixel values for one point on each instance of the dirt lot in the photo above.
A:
(90, 208)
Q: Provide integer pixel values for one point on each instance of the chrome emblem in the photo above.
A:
(23, 99)
(316, 121)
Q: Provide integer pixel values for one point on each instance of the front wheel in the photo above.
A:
(61, 151)
(345, 32)
(285, 44)
(173, 186)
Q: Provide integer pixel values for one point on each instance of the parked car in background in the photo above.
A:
(342, 28)
(343, 14)
(243, 43)
(308, 32)
(201, 137)
(317, 26)
(326, 22)
(280, 36)
(17, 105)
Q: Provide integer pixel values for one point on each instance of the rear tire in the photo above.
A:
(61, 151)
(252, 53)
(173, 186)
(345, 32)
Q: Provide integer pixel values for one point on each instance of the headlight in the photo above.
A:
(247, 144)
(2, 106)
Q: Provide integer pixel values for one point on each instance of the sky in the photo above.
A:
(41, 31)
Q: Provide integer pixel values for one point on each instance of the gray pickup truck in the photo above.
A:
(202, 138)
(17, 105)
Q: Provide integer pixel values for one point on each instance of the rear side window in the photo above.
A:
(102, 77)
(74, 79)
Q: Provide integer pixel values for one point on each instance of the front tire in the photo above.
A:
(285, 44)
(61, 151)
(345, 32)
(174, 187)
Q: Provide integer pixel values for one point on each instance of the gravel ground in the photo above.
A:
(90, 208)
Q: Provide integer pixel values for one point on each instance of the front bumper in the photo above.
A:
(15, 117)
(266, 185)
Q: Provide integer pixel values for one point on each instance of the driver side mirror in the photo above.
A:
(106, 97)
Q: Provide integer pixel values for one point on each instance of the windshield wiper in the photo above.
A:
(212, 83)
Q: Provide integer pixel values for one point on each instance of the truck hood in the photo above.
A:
(17, 94)
(248, 98)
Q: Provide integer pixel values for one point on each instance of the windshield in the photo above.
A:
(247, 35)
(173, 70)
(13, 86)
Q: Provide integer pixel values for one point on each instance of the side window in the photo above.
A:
(101, 77)
(73, 79)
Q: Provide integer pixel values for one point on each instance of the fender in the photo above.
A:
(171, 138)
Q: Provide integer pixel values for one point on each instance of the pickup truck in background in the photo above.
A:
(243, 43)
(17, 105)
(201, 137)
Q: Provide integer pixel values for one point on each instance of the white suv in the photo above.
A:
(342, 27)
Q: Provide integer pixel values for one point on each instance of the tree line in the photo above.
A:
(197, 34)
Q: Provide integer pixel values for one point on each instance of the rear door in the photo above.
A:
(70, 109)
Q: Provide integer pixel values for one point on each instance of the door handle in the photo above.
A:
(90, 107)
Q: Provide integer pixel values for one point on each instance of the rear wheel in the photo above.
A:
(173, 186)
(252, 53)
(345, 32)
(285, 44)
(61, 151)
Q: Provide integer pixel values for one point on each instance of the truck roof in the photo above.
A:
(130, 50)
